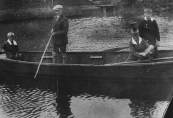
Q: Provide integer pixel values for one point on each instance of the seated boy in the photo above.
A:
(139, 48)
(10, 46)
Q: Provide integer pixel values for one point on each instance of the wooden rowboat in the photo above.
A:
(91, 65)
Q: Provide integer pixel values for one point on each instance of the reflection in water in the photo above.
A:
(100, 107)
(84, 107)
(82, 99)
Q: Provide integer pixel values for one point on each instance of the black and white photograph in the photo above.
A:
(86, 58)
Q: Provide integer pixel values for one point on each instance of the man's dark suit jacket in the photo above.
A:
(60, 27)
(149, 31)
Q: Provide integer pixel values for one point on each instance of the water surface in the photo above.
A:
(29, 98)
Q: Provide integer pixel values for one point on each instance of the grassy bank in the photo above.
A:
(86, 34)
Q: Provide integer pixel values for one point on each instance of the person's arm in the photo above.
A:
(156, 30)
(4, 46)
(17, 48)
(145, 43)
(65, 28)
(149, 49)
(133, 51)
(53, 25)
(141, 29)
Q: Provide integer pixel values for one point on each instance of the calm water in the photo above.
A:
(30, 98)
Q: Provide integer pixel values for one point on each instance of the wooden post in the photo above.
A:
(57, 82)
(104, 11)
(52, 3)
(114, 10)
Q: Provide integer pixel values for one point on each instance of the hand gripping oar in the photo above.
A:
(42, 57)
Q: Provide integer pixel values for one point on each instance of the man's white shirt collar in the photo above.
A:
(134, 42)
(14, 42)
(57, 17)
(147, 20)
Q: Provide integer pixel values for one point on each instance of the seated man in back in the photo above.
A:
(139, 48)
(10, 46)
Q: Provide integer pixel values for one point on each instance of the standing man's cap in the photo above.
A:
(56, 7)
(10, 34)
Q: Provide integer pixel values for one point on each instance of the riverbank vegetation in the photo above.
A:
(91, 33)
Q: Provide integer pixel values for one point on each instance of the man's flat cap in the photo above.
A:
(10, 34)
(56, 7)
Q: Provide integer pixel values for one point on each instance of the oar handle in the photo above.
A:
(42, 57)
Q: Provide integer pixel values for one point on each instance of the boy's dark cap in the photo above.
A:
(133, 26)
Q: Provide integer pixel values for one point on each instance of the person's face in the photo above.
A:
(58, 12)
(11, 37)
(135, 35)
(148, 15)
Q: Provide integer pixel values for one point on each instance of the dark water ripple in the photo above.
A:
(19, 102)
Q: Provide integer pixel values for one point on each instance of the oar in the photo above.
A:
(116, 49)
(121, 48)
(42, 57)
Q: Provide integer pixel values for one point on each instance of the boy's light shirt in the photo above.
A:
(146, 19)
(134, 42)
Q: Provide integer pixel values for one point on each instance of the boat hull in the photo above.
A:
(115, 71)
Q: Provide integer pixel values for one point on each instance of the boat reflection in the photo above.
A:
(105, 99)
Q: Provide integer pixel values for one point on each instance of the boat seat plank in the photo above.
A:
(96, 57)
(48, 57)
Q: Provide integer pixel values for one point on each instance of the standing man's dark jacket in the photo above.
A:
(10, 48)
(60, 26)
(149, 31)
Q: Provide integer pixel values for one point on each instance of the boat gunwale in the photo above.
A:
(133, 63)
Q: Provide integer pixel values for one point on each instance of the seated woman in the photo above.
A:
(139, 48)
(10, 46)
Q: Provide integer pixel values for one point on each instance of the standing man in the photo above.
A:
(149, 31)
(10, 46)
(59, 35)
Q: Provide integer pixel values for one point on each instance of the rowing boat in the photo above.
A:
(90, 65)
